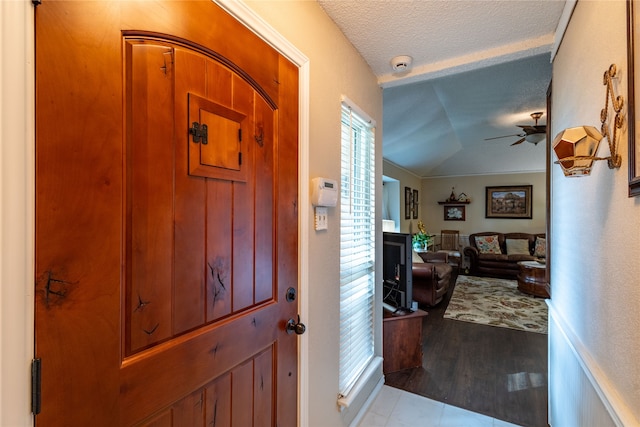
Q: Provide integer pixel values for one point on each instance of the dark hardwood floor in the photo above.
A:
(494, 371)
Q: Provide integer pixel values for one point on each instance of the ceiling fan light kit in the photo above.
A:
(535, 138)
(576, 147)
(533, 134)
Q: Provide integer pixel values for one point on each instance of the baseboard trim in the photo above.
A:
(367, 404)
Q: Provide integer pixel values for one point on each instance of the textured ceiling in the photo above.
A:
(479, 69)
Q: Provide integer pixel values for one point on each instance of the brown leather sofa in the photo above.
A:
(431, 279)
(502, 265)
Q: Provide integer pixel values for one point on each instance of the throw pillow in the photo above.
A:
(540, 250)
(415, 257)
(488, 245)
(518, 247)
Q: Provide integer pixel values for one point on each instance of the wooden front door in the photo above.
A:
(166, 218)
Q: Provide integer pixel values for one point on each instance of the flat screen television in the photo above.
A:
(396, 272)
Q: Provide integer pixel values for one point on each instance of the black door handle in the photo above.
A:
(297, 327)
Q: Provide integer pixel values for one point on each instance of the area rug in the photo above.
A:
(496, 302)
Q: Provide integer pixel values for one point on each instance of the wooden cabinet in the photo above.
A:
(402, 341)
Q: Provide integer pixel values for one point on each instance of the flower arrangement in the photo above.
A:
(422, 239)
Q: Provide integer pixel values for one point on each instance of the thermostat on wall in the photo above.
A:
(324, 192)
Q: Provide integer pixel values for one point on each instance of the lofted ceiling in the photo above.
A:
(479, 68)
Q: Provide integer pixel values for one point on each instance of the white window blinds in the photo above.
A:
(357, 248)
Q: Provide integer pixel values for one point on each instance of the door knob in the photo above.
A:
(297, 327)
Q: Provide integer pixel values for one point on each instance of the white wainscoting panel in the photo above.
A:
(579, 394)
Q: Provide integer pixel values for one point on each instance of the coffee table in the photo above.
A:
(532, 278)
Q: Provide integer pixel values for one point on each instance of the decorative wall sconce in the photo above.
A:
(576, 147)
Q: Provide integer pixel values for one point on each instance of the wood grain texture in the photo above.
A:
(160, 294)
(402, 341)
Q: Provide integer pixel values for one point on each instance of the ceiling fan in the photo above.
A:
(532, 134)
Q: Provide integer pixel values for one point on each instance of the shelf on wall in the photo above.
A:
(454, 203)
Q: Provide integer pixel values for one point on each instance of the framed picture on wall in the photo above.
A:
(512, 201)
(633, 52)
(415, 204)
(454, 213)
(408, 204)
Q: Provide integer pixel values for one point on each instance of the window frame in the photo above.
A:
(357, 251)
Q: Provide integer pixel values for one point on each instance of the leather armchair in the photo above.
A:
(431, 281)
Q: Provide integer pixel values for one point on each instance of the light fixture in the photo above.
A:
(576, 147)
(534, 138)
(401, 63)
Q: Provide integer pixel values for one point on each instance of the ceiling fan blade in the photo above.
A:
(520, 141)
(504, 136)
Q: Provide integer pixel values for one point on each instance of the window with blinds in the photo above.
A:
(357, 248)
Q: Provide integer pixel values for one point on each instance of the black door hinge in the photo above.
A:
(199, 133)
(240, 152)
(36, 385)
(36, 2)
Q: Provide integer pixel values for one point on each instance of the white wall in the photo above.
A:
(390, 204)
(16, 211)
(405, 179)
(595, 243)
(336, 70)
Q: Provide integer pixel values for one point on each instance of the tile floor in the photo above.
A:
(397, 408)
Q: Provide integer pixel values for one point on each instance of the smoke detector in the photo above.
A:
(401, 63)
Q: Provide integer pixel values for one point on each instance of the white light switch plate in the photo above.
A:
(321, 218)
